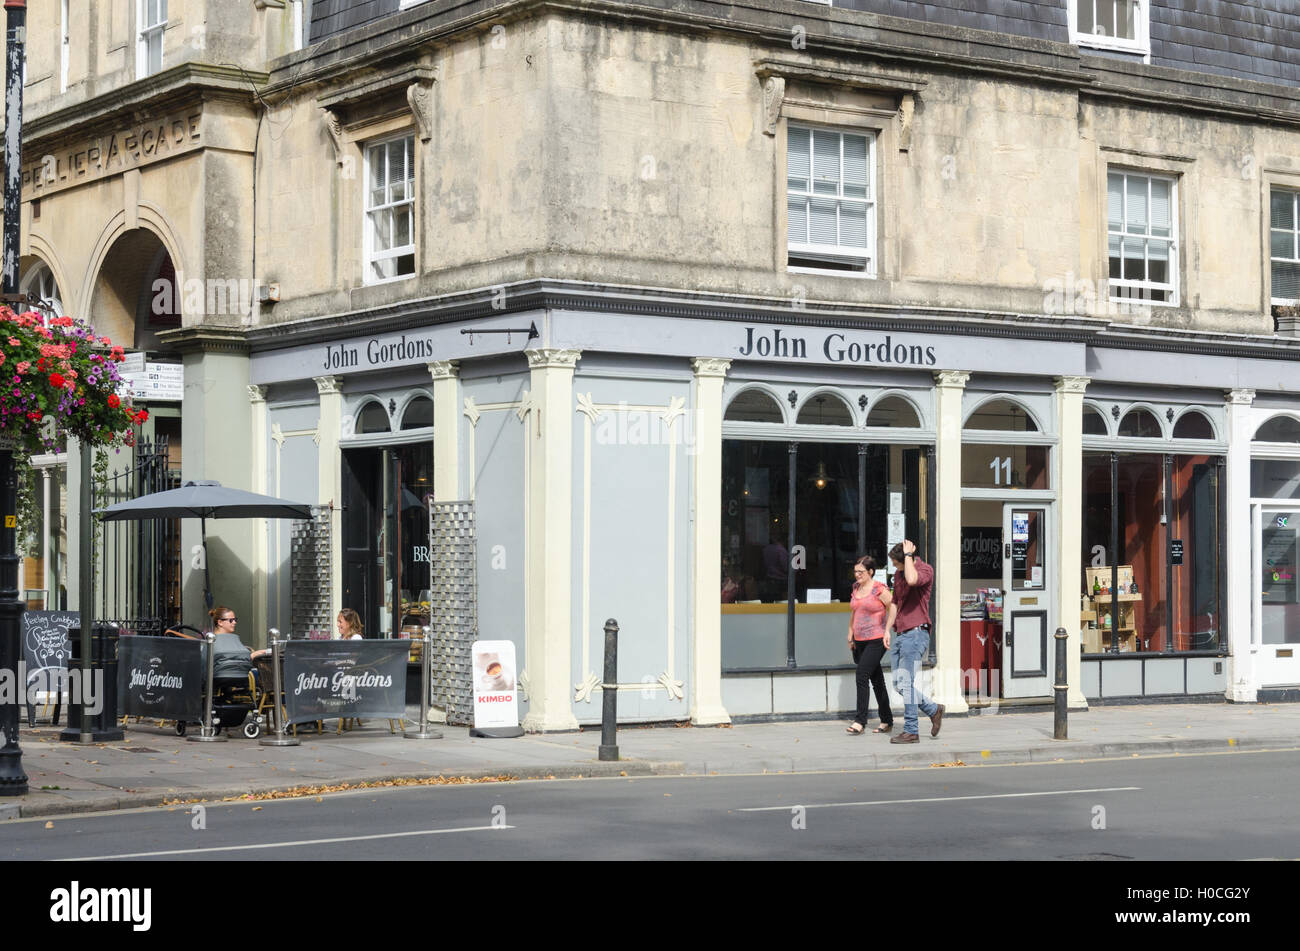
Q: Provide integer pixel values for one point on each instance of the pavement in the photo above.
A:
(152, 766)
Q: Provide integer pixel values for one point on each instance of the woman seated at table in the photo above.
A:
(349, 625)
(223, 622)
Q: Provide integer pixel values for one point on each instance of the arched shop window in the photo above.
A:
(1002, 415)
(1140, 424)
(893, 411)
(373, 418)
(39, 283)
(797, 512)
(754, 406)
(1094, 424)
(992, 455)
(1279, 429)
(1154, 520)
(825, 410)
(418, 413)
(1193, 425)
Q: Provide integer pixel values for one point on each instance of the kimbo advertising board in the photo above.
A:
(356, 678)
(160, 677)
(496, 706)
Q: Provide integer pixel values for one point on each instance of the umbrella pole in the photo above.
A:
(207, 577)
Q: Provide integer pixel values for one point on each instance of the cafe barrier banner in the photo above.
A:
(495, 685)
(46, 648)
(160, 677)
(354, 678)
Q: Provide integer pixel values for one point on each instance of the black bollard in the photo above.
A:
(1060, 731)
(609, 689)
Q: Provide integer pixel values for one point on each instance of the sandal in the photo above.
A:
(856, 729)
(883, 728)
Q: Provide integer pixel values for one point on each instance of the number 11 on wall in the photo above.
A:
(998, 464)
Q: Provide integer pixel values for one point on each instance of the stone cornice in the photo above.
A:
(205, 340)
(558, 295)
(186, 82)
(829, 31)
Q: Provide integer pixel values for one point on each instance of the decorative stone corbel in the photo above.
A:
(906, 106)
(773, 98)
(419, 96)
(334, 128)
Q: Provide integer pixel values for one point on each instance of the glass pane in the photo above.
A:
(1004, 467)
(1137, 204)
(1282, 210)
(826, 526)
(1027, 549)
(1158, 261)
(1280, 599)
(373, 418)
(1134, 265)
(755, 553)
(418, 413)
(826, 163)
(380, 230)
(797, 211)
(893, 411)
(1161, 212)
(402, 227)
(1279, 429)
(383, 269)
(1282, 244)
(853, 225)
(1087, 20)
(1105, 22)
(855, 166)
(824, 225)
(155, 52)
(1286, 281)
(376, 197)
(754, 406)
(1126, 26)
(1114, 244)
(1001, 415)
(162, 10)
(375, 159)
(1140, 423)
(1142, 541)
(1193, 425)
(415, 465)
(1093, 422)
(797, 163)
(825, 410)
(397, 169)
(397, 191)
(1196, 521)
(406, 264)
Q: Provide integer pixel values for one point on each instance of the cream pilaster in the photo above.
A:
(261, 537)
(548, 581)
(446, 431)
(949, 385)
(329, 477)
(706, 503)
(1242, 676)
(1069, 507)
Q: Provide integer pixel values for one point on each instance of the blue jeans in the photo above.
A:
(907, 649)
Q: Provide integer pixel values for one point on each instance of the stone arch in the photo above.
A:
(116, 294)
(41, 251)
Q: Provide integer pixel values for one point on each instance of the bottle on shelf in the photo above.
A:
(1096, 587)
(1133, 588)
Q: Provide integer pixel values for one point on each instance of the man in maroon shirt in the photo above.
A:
(909, 614)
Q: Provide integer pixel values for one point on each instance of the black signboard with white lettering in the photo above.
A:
(354, 678)
(981, 552)
(46, 647)
(1176, 551)
(160, 677)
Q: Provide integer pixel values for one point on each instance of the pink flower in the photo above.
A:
(13, 341)
(24, 366)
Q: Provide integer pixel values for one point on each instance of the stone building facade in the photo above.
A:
(1012, 280)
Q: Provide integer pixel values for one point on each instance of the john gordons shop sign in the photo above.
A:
(128, 147)
(836, 347)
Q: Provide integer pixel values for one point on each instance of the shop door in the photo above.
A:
(1277, 606)
(1026, 638)
(362, 518)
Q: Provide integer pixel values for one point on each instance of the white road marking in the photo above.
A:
(897, 802)
(284, 845)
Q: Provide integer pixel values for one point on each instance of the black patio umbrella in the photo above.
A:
(204, 500)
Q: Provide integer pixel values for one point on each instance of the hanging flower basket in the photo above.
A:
(60, 371)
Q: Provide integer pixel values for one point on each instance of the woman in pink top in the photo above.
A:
(867, 643)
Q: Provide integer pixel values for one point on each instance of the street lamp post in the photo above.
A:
(13, 781)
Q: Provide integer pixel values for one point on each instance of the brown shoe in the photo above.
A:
(905, 738)
(936, 721)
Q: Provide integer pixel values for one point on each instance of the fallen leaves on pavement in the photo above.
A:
(302, 791)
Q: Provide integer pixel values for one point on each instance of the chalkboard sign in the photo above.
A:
(160, 677)
(981, 552)
(46, 648)
(353, 678)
